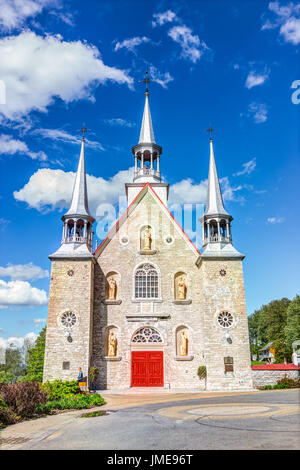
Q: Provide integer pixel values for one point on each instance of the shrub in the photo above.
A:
(22, 398)
(6, 377)
(77, 402)
(7, 416)
(60, 389)
(94, 373)
(287, 382)
(201, 372)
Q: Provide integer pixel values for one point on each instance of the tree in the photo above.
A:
(268, 325)
(35, 365)
(292, 328)
(13, 363)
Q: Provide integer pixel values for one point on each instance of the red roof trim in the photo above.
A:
(275, 367)
(127, 210)
(175, 220)
(122, 216)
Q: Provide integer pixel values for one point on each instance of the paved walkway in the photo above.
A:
(267, 420)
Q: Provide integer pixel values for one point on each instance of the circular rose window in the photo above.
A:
(68, 319)
(225, 319)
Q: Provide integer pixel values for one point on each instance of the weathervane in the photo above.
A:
(210, 130)
(146, 81)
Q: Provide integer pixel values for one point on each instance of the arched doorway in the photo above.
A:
(147, 358)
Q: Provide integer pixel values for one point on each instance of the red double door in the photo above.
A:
(147, 369)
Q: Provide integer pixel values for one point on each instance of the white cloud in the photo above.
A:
(10, 146)
(287, 17)
(17, 342)
(23, 272)
(166, 17)
(255, 79)
(248, 167)
(49, 189)
(119, 122)
(131, 44)
(187, 191)
(275, 220)
(258, 111)
(16, 293)
(63, 136)
(39, 321)
(161, 78)
(37, 70)
(290, 30)
(192, 48)
(14, 13)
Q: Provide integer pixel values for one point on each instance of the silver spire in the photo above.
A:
(79, 203)
(147, 134)
(214, 204)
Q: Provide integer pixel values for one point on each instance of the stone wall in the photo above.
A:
(225, 293)
(207, 294)
(271, 377)
(71, 289)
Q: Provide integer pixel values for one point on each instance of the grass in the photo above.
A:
(93, 414)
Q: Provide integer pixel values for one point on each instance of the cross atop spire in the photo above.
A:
(83, 130)
(210, 130)
(146, 80)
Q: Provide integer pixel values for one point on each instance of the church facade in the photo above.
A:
(146, 307)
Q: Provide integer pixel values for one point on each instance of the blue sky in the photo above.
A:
(229, 63)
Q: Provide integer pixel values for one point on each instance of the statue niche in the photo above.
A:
(112, 345)
(146, 239)
(180, 286)
(112, 281)
(183, 343)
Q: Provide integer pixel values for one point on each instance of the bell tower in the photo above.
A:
(225, 325)
(147, 158)
(70, 307)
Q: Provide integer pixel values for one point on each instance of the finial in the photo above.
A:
(146, 81)
(83, 130)
(210, 130)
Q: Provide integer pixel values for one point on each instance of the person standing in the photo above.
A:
(80, 374)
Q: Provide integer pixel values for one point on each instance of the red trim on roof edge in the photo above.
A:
(125, 213)
(275, 367)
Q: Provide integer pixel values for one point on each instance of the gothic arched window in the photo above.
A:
(146, 282)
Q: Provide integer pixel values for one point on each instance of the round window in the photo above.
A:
(68, 319)
(225, 319)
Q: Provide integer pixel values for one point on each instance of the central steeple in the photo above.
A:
(147, 158)
(147, 152)
(147, 134)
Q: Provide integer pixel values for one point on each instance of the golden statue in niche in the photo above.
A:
(181, 289)
(147, 239)
(112, 289)
(112, 345)
(183, 343)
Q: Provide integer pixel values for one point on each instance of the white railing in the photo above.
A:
(146, 172)
(217, 239)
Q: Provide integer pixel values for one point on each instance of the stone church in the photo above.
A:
(146, 307)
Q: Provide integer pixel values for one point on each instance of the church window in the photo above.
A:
(146, 282)
(66, 365)
(68, 319)
(225, 319)
(147, 335)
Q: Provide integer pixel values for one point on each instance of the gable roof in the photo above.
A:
(147, 187)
